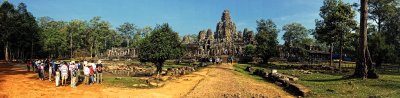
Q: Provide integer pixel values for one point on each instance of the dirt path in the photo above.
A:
(214, 81)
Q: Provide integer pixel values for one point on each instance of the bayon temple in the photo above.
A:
(226, 40)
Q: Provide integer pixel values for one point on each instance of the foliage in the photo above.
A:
(54, 37)
(266, 39)
(128, 31)
(295, 34)
(333, 85)
(380, 50)
(337, 19)
(384, 40)
(162, 44)
(248, 53)
(18, 31)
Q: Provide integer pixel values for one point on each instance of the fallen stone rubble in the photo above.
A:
(286, 81)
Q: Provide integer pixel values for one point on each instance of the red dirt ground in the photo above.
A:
(214, 81)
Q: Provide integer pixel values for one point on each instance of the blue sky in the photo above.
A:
(185, 16)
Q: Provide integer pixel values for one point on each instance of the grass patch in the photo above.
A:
(125, 82)
(335, 86)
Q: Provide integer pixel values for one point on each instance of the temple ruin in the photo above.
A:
(226, 40)
(121, 53)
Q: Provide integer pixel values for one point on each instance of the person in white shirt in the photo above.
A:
(86, 72)
(64, 73)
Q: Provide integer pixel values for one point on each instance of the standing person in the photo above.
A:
(37, 62)
(28, 65)
(52, 68)
(73, 69)
(33, 65)
(78, 66)
(50, 71)
(231, 59)
(213, 60)
(86, 72)
(57, 78)
(64, 74)
(99, 68)
(41, 71)
(91, 73)
(94, 72)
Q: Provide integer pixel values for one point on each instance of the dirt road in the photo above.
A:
(214, 81)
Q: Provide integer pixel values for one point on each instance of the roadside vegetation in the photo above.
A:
(335, 85)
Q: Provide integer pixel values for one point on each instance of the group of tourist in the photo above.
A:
(67, 71)
(215, 60)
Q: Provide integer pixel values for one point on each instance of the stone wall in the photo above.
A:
(121, 53)
(140, 70)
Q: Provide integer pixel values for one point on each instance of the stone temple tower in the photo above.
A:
(224, 41)
(225, 28)
(225, 35)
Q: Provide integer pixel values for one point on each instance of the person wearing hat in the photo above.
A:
(93, 72)
(73, 71)
(41, 71)
(86, 72)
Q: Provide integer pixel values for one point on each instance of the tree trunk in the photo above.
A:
(159, 65)
(18, 53)
(91, 51)
(331, 53)
(31, 49)
(127, 43)
(6, 55)
(361, 65)
(371, 68)
(341, 49)
(70, 45)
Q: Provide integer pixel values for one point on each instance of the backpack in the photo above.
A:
(74, 70)
(99, 68)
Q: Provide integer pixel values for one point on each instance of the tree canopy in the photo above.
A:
(162, 44)
(266, 39)
(295, 34)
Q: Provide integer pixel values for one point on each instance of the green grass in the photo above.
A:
(335, 86)
(125, 82)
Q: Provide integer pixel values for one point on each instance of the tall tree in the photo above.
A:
(380, 11)
(162, 44)
(294, 34)
(18, 30)
(128, 30)
(364, 68)
(76, 29)
(337, 21)
(27, 33)
(145, 31)
(385, 14)
(8, 25)
(54, 37)
(266, 39)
